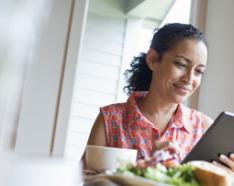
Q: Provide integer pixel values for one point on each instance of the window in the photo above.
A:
(180, 12)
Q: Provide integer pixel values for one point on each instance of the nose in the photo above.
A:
(188, 76)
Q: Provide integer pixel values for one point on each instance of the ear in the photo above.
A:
(152, 58)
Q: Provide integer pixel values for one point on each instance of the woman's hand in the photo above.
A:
(164, 152)
(167, 153)
(228, 161)
(166, 146)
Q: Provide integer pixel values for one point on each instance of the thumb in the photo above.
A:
(167, 145)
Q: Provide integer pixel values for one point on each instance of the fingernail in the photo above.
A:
(231, 156)
(222, 157)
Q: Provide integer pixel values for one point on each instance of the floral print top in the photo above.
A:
(126, 127)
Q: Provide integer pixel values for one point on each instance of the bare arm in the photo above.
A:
(98, 135)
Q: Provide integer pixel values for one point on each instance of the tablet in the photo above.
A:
(217, 140)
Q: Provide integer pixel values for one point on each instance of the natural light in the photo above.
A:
(180, 13)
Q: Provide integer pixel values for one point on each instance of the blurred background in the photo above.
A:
(61, 60)
(21, 23)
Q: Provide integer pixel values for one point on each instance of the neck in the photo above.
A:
(153, 104)
(156, 110)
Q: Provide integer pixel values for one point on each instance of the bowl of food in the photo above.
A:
(100, 158)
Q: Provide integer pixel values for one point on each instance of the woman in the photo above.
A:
(154, 120)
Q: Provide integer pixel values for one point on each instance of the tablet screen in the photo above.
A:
(217, 140)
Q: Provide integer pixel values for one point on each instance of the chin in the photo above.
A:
(180, 99)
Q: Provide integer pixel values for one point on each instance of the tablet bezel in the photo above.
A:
(210, 146)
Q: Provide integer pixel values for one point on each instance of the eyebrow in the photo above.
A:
(189, 61)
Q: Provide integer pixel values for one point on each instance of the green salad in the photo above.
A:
(181, 175)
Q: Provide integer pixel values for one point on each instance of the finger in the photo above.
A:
(231, 156)
(164, 144)
(219, 164)
(172, 147)
(161, 145)
(227, 161)
(168, 146)
(141, 163)
(222, 166)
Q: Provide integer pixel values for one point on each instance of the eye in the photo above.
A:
(199, 72)
(180, 64)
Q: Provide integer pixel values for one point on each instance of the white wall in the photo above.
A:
(217, 89)
(97, 76)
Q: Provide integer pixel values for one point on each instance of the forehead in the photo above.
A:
(194, 50)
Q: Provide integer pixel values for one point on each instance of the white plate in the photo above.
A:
(121, 179)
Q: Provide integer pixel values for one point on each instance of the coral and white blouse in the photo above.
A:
(126, 127)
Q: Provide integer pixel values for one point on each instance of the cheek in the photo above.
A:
(196, 83)
(169, 74)
(176, 75)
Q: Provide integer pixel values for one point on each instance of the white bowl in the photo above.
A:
(101, 158)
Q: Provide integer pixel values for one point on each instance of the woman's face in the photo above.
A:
(179, 71)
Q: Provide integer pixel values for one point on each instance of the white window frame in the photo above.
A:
(44, 80)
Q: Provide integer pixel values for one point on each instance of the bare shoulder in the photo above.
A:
(208, 121)
(97, 135)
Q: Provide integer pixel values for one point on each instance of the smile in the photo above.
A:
(182, 89)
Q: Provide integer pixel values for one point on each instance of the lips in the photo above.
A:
(183, 90)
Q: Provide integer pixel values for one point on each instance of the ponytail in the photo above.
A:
(139, 76)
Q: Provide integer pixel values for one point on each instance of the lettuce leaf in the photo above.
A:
(181, 175)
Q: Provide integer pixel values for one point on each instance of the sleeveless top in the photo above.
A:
(126, 127)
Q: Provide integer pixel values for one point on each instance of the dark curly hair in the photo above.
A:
(164, 39)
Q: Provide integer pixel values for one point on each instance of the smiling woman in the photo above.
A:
(158, 83)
